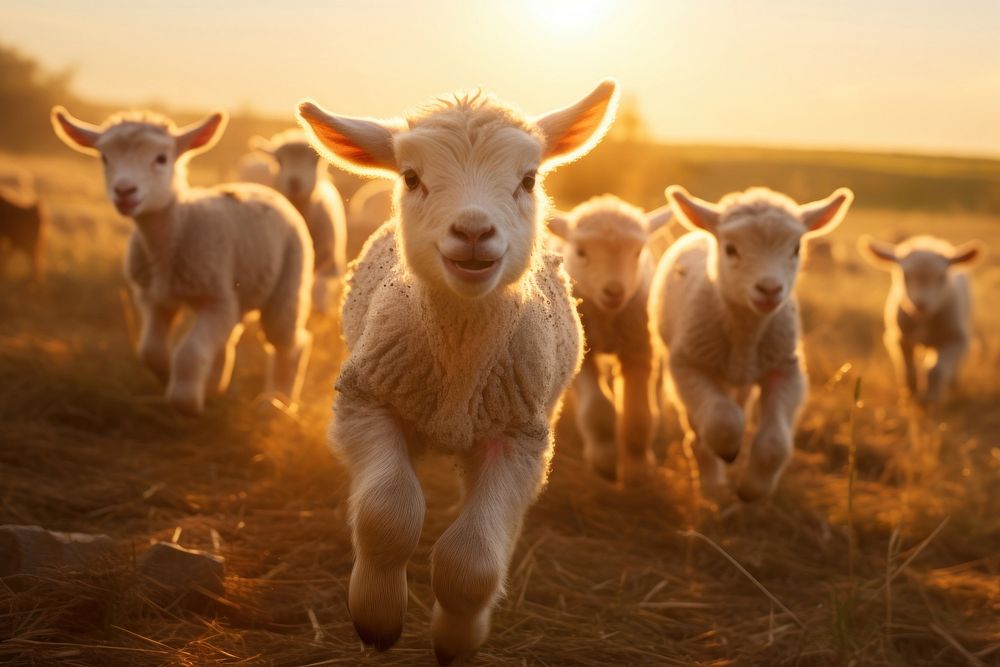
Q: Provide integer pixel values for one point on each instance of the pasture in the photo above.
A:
(898, 567)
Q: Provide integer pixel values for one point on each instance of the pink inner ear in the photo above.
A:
(693, 212)
(882, 253)
(354, 141)
(969, 255)
(83, 137)
(204, 134)
(344, 148)
(577, 134)
(559, 226)
(689, 210)
(826, 214)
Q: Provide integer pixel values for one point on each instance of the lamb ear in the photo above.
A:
(201, 136)
(968, 254)
(879, 254)
(558, 224)
(261, 144)
(693, 213)
(658, 218)
(571, 132)
(359, 145)
(75, 133)
(823, 216)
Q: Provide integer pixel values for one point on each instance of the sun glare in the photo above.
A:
(567, 15)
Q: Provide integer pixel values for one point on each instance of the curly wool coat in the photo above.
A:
(459, 372)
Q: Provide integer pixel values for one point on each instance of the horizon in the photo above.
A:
(849, 78)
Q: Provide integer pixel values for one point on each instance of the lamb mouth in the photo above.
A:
(475, 264)
(472, 270)
(126, 206)
(613, 305)
(766, 306)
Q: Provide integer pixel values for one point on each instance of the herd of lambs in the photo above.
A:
(474, 307)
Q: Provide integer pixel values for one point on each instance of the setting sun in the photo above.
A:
(717, 71)
(571, 16)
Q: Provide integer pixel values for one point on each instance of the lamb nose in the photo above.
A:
(125, 190)
(473, 235)
(768, 289)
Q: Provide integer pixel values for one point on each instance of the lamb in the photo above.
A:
(722, 305)
(18, 181)
(607, 258)
(367, 209)
(222, 252)
(22, 223)
(304, 180)
(255, 167)
(462, 337)
(929, 305)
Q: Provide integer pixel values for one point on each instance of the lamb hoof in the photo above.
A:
(185, 401)
(161, 373)
(157, 364)
(377, 604)
(750, 492)
(724, 432)
(457, 637)
(602, 459)
(377, 639)
(443, 657)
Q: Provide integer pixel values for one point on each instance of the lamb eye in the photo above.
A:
(528, 182)
(581, 253)
(411, 180)
(161, 159)
(731, 250)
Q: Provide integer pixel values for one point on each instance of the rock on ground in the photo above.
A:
(175, 572)
(32, 550)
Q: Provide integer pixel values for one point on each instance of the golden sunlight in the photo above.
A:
(571, 15)
(309, 383)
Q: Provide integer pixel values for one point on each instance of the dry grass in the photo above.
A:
(601, 575)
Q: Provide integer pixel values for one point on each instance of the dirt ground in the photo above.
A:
(910, 574)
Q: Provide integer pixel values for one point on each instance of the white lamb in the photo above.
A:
(222, 252)
(606, 255)
(18, 182)
(722, 303)
(462, 337)
(304, 180)
(256, 167)
(367, 209)
(23, 222)
(929, 306)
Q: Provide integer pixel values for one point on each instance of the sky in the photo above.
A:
(902, 75)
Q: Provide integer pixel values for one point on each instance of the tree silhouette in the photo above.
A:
(27, 93)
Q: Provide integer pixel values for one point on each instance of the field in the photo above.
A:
(899, 568)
